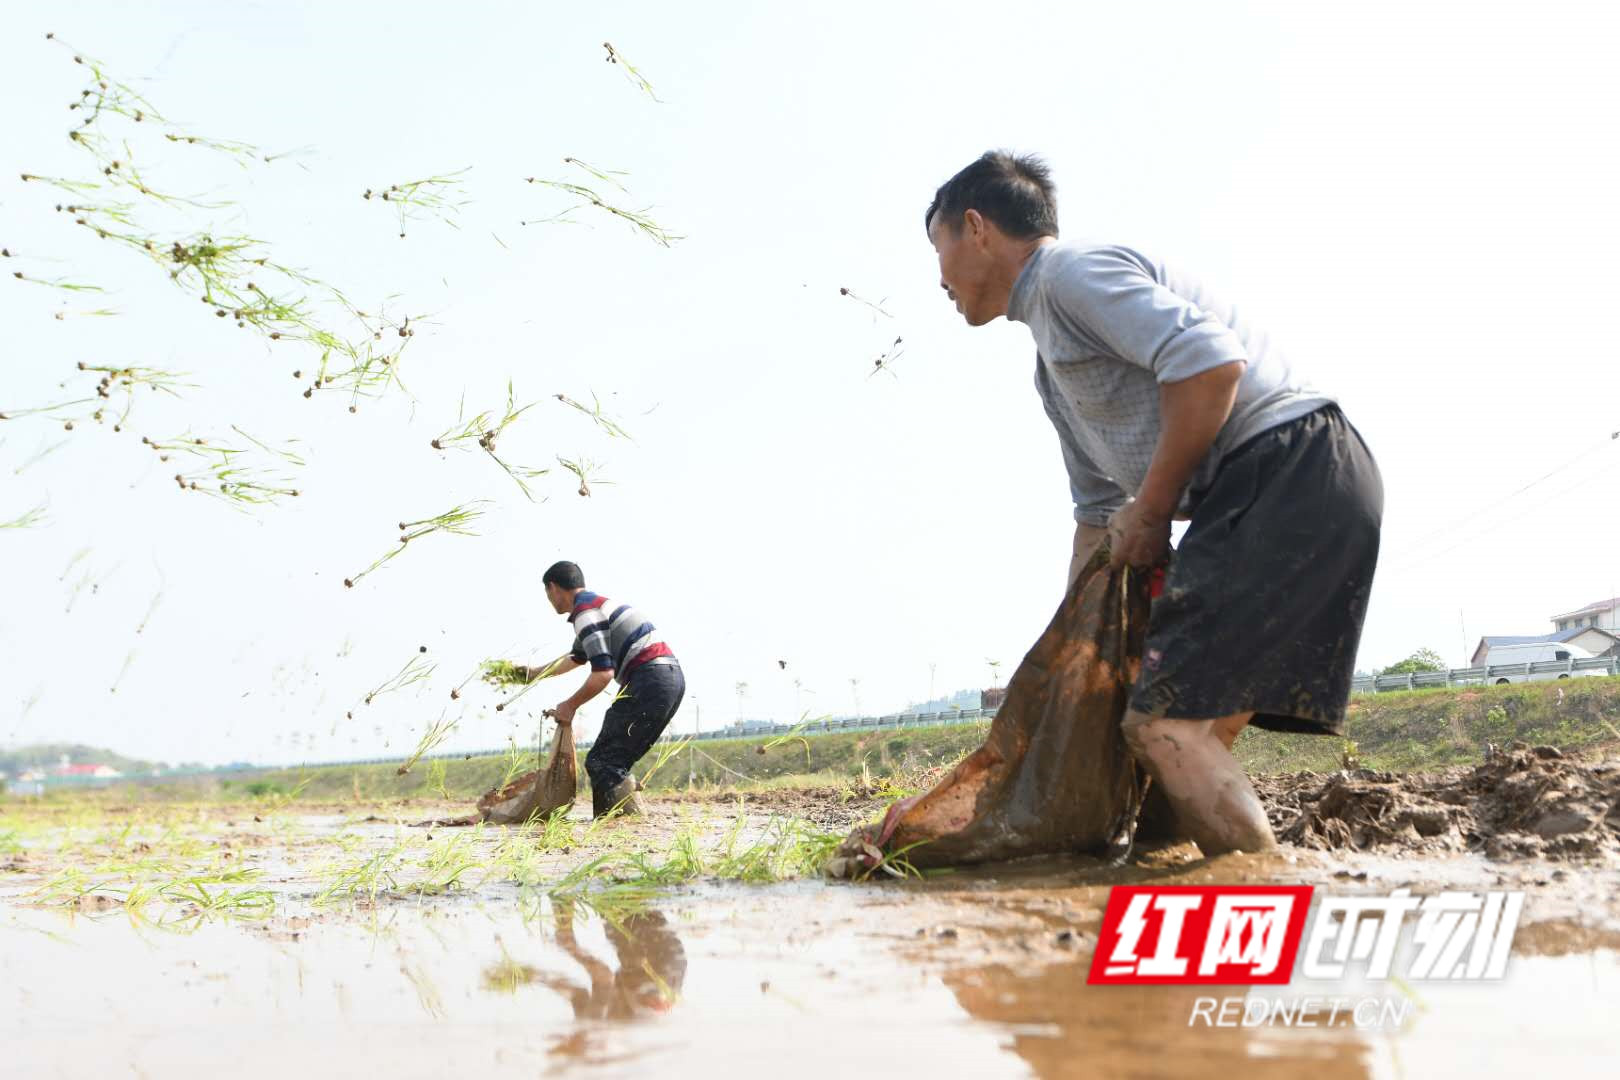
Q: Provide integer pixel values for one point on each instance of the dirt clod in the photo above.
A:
(1524, 802)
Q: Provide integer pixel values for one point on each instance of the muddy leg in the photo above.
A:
(1214, 802)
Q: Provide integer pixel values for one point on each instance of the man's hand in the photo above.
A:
(1139, 535)
(563, 713)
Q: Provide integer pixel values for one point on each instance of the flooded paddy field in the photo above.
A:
(260, 938)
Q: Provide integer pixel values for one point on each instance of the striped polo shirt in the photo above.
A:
(615, 637)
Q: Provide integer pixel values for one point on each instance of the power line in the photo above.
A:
(1451, 527)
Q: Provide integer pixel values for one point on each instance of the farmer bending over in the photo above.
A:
(617, 641)
(1169, 404)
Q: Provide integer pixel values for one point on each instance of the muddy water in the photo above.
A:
(979, 974)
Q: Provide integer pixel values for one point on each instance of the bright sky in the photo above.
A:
(1418, 202)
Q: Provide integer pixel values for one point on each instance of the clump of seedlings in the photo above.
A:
(485, 430)
(117, 384)
(430, 197)
(504, 673)
(244, 476)
(455, 520)
(614, 56)
(590, 197)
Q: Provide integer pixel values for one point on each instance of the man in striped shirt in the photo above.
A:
(617, 641)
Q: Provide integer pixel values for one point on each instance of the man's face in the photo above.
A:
(964, 265)
(558, 598)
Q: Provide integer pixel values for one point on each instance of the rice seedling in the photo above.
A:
(598, 417)
(45, 451)
(793, 734)
(485, 430)
(366, 880)
(129, 658)
(885, 362)
(416, 670)
(151, 609)
(28, 519)
(877, 307)
(430, 197)
(588, 196)
(57, 283)
(437, 780)
(614, 56)
(455, 520)
(437, 732)
(243, 476)
(446, 862)
(585, 469)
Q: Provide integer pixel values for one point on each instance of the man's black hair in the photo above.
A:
(1013, 191)
(564, 575)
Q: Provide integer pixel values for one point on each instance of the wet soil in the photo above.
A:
(1521, 803)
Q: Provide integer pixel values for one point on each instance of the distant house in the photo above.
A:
(77, 771)
(1595, 641)
(1603, 614)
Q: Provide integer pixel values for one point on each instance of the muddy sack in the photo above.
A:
(1054, 775)
(539, 792)
(530, 795)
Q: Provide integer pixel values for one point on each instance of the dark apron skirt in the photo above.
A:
(1265, 596)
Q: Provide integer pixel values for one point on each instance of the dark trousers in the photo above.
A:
(632, 724)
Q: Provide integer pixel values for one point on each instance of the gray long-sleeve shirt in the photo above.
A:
(1110, 325)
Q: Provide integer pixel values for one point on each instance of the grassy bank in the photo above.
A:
(1428, 729)
(1421, 729)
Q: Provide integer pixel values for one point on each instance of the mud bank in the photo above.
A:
(1521, 803)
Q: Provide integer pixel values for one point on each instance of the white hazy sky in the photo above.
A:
(1417, 201)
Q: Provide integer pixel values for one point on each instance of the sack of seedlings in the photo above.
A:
(1054, 775)
(536, 793)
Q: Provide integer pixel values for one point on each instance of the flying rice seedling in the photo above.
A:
(416, 670)
(455, 520)
(45, 451)
(590, 197)
(597, 416)
(430, 197)
(244, 476)
(28, 519)
(885, 363)
(586, 470)
(630, 72)
(877, 307)
(233, 275)
(485, 431)
(438, 731)
(115, 382)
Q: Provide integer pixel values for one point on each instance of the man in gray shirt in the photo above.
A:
(1169, 404)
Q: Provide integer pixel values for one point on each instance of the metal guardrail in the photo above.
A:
(1489, 673)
